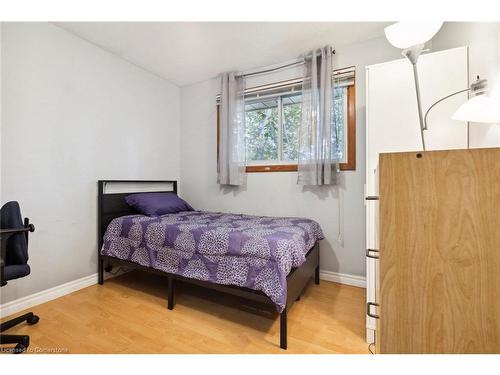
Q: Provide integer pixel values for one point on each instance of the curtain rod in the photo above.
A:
(299, 62)
(349, 71)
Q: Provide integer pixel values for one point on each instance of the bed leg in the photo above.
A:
(171, 286)
(100, 277)
(283, 333)
(316, 276)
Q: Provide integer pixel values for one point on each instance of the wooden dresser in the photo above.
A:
(439, 257)
(396, 128)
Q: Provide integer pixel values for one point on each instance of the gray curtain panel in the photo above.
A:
(316, 166)
(231, 160)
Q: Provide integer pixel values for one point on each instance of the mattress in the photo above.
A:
(255, 252)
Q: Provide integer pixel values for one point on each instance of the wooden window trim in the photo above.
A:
(351, 130)
(350, 165)
(271, 168)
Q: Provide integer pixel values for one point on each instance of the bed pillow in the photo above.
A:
(156, 204)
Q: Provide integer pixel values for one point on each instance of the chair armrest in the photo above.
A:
(5, 234)
(9, 232)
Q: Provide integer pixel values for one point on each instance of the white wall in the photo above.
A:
(277, 193)
(483, 39)
(72, 114)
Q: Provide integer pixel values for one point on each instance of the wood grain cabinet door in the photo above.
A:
(440, 252)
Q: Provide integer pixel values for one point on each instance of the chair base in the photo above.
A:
(22, 341)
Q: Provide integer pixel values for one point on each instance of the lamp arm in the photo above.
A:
(419, 104)
(439, 101)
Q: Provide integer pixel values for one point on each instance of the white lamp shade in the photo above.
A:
(481, 108)
(408, 34)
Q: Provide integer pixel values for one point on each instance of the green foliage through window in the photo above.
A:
(261, 122)
(272, 127)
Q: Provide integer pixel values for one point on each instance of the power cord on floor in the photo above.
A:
(370, 348)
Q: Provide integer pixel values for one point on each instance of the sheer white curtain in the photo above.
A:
(231, 160)
(316, 166)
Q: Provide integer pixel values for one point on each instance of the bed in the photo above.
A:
(263, 259)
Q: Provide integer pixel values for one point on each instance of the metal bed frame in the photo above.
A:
(113, 205)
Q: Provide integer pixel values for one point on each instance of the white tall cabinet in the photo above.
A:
(392, 125)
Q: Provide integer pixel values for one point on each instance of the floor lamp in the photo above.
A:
(411, 38)
(480, 108)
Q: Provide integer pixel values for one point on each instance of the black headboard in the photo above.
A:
(113, 205)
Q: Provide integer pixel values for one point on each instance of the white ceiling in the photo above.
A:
(189, 52)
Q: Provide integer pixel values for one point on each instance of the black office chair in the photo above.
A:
(14, 264)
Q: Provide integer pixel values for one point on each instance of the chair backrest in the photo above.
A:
(17, 247)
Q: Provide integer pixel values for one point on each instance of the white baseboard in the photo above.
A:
(47, 295)
(342, 278)
(23, 303)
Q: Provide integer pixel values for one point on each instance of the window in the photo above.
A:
(272, 120)
(272, 129)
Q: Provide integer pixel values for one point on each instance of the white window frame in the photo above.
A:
(346, 124)
(279, 96)
(280, 160)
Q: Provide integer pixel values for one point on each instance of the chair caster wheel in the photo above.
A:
(19, 348)
(33, 320)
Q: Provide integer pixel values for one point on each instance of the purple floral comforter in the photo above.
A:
(255, 252)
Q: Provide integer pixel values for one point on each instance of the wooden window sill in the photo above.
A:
(288, 168)
(271, 168)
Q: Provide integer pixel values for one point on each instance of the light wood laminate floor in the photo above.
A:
(128, 314)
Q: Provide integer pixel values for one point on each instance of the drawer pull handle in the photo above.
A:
(370, 255)
(368, 310)
(372, 198)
